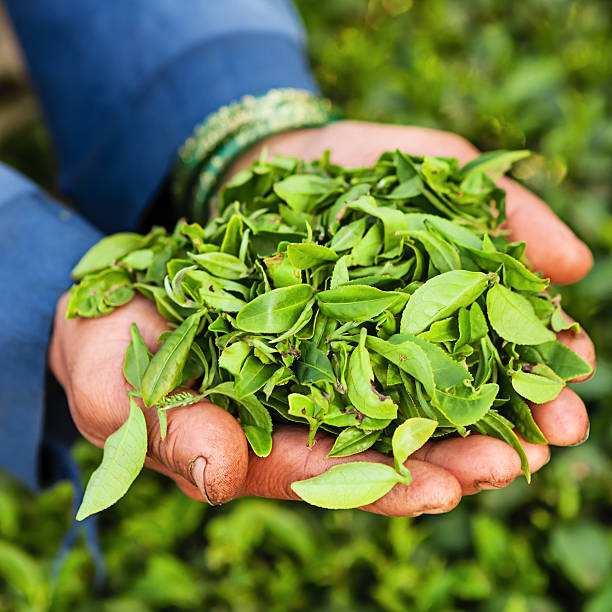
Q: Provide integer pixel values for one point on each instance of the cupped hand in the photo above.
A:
(205, 451)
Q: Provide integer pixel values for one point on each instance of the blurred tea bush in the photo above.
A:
(535, 74)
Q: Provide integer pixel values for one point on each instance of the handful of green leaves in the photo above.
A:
(381, 304)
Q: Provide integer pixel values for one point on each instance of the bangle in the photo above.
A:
(227, 133)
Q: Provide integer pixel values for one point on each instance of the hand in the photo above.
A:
(205, 451)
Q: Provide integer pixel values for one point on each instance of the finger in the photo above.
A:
(204, 444)
(564, 421)
(581, 344)
(477, 462)
(552, 247)
(204, 447)
(432, 490)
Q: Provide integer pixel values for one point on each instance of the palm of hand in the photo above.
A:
(205, 451)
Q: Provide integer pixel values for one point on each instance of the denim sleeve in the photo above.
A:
(40, 241)
(122, 84)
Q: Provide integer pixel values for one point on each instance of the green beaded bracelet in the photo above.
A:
(230, 131)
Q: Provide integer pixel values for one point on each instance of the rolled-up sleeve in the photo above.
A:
(123, 84)
(40, 241)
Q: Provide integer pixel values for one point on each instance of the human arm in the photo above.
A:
(261, 474)
(40, 242)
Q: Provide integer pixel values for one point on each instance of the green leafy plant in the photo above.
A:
(383, 305)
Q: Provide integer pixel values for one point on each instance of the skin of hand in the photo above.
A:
(205, 451)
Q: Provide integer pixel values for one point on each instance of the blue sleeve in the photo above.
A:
(123, 84)
(40, 242)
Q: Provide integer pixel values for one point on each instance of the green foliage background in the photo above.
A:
(535, 74)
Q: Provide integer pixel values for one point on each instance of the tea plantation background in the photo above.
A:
(535, 74)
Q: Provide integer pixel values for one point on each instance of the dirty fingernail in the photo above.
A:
(198, 467)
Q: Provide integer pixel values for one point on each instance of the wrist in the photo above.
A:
(225, 135)
(295, 143)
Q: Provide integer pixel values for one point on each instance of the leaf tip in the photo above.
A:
(82, 513)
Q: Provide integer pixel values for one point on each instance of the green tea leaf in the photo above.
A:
(410, 436)
(313, 365)
(465, 406)
(348, 485)
(281, 271)
(393, 221)
(495, 425)
(139, 260)
(451, 231)
(513, 317)
(362, 391)
(340, 275)
(493, 163)
(124, 455)
(538, 386)
(303, 191)
(275, 311)
(253, 376)
(447, 372)
(352, 440)
(478, 324)
(164, 372)
(136, 359)
(440, 297)
(106, 252)
(223, 265)
(232, 357)
(559, 323)
(99, 294)
(558, 357)
(443, 255)
(305, 256)
(445, 330)
(355, 302)
(407, 356)
(520, 414)
(365, 251)
(348, 235)
(255, 420)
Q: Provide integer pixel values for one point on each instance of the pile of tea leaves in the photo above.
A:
(383, 305)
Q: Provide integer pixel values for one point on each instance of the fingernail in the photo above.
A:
(197, 469)
(585, 437)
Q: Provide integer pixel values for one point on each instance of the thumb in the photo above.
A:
(205, 451)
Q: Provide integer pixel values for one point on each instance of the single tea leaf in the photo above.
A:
(275, 311)
(352, 440)
(410, 436)
(513, 318)
(539, 386)
(440, 297)
(166, 368)
(105, 252)
(355, 302)
(348, 485)
(136, 358)
(362, 391)
(124, 455)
